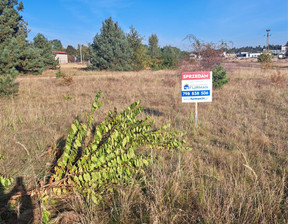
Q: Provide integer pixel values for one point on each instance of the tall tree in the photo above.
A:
(72, 53)
(56, 45)
(45, 47)
(134, 38)
(139, 57)
(153, 46)
(30, 59)
(170, 56)
(13, 32)
(110, 49)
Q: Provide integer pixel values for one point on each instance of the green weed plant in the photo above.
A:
(99, 158)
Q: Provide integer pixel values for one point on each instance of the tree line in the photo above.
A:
(257, 49)
(111, 49)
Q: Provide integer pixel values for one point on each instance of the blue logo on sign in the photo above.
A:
(186, 86)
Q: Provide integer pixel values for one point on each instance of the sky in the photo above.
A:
(244, 22)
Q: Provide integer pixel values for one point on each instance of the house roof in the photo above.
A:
(59, 52)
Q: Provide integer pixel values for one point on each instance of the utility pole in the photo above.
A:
(267, 40)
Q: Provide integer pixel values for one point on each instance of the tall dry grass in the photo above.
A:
(236, 173)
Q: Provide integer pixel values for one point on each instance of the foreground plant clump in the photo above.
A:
(98, 158)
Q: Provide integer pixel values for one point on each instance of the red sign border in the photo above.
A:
(196, 73)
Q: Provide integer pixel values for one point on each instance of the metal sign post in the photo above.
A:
(196, 87)
(196, 113)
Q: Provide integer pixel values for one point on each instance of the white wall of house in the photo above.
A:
(254, 55)
(63, 58)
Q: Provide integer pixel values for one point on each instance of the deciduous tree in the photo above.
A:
(208, 54)
(72, 53)
(56, 45)
(170, 56)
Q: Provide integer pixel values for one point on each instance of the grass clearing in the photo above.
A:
(237, 171)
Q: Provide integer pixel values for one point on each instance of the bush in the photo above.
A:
(266, 57)
(219, 76)
(99, 158)
(59, 73)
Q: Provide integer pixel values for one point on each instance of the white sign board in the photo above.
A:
(196, 87)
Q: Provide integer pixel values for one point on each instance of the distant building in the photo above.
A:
(284, 49)
(229, 55)
(62, 56)
(248, 55)
(243, 55)
(254, 55)
(275, 51)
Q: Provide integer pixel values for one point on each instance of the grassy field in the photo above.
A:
(236, 172)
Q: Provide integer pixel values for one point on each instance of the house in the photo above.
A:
(229, 55)
(61, 56)
(254, 55)
(248, 55)
(275, 52)
(243, 55)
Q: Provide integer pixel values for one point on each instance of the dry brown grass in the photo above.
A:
(237, 171)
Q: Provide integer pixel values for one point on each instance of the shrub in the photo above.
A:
(59, 73)
(219, 76)
(266, 57)
(65, 79)
(99, 158)
(276, 78)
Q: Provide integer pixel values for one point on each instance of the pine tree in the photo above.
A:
(139, 57)
(16, 54)
(219, 76)
(13, 32)
(110, 49)
(30, 60)
(153, 46)
(45, 49)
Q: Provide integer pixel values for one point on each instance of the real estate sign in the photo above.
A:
(196, 87)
